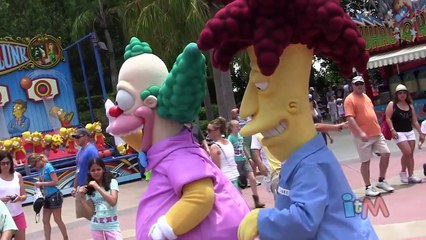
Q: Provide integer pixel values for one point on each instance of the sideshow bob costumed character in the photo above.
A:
(188, 197)
(281, 37)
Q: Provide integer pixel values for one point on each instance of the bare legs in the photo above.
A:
(365, 168)
(58, 219)
(365, 172)
(407, 158)
(384, 163)
(252, 181)
(20, 235)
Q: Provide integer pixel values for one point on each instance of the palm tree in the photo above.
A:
(98, 17)
(168, 26)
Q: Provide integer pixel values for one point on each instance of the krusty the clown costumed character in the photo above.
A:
(281, 37)
(187, 197)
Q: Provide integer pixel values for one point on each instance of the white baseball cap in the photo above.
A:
(401, 87)
(357, 79)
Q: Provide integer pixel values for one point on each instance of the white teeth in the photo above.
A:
(262, 85)
(275, 130)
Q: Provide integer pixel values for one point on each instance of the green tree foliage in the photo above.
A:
(168, 26)
(100, 17)
(27, 19)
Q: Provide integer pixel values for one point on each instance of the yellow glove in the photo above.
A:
(248, 227)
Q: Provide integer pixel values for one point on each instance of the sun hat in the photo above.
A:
(400, 87)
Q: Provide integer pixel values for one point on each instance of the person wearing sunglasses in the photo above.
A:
(222, 151)
(53, 199)
(365, 128)
(401, 118)
(12, 193)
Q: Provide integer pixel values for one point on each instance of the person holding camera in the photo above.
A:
(99, 198)
(12, 193)
(53, 198)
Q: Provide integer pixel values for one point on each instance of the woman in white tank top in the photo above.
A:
(12, 193)
(222, 151)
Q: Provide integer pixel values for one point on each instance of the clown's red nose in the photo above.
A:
(115, 111)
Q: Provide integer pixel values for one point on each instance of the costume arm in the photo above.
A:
(195, 204)
(9, 226)
(309, 197)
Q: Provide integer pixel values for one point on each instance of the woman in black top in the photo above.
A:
(401, 117)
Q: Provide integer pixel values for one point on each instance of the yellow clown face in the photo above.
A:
(278, 104)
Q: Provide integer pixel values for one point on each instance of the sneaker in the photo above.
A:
(385, 186)
(414, 179)
(371, 192)
(404, 177)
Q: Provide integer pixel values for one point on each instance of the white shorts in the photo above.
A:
(373, 145)
(406, 136)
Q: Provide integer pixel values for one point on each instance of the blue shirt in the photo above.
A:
(45, 177)
(84, 155)
(309, 202)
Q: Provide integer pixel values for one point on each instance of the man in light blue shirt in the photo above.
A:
(310, 202)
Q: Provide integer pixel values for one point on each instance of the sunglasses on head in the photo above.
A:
(77, 137)
(4, 163)
(358, 83)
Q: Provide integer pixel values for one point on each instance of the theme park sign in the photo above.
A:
(42, 51)
(407, 26)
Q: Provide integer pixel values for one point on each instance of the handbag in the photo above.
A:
(80, 211)
(38, 203)
(387, 133)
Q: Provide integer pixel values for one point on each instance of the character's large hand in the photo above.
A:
(161, 230)
(248, 229)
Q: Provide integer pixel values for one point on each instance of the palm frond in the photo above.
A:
(83, 24)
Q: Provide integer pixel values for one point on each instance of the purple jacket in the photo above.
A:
(178, 161)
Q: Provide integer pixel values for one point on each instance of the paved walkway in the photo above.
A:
(407, 219)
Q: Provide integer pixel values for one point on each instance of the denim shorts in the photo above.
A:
(54, 201)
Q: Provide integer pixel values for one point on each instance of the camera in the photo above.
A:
(13, 197)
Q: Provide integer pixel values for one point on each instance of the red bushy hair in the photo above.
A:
(271, 25)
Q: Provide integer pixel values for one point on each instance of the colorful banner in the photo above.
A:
(36, 91)
(404, 24)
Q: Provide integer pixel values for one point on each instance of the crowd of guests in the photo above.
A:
(240, 159)
(95, 192)
(368, 137)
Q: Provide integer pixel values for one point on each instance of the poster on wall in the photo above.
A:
(36, 92)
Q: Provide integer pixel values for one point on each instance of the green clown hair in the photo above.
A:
(135, 48)
(182, 93)
(152, 90)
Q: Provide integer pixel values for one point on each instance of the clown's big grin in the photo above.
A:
(277, 130)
